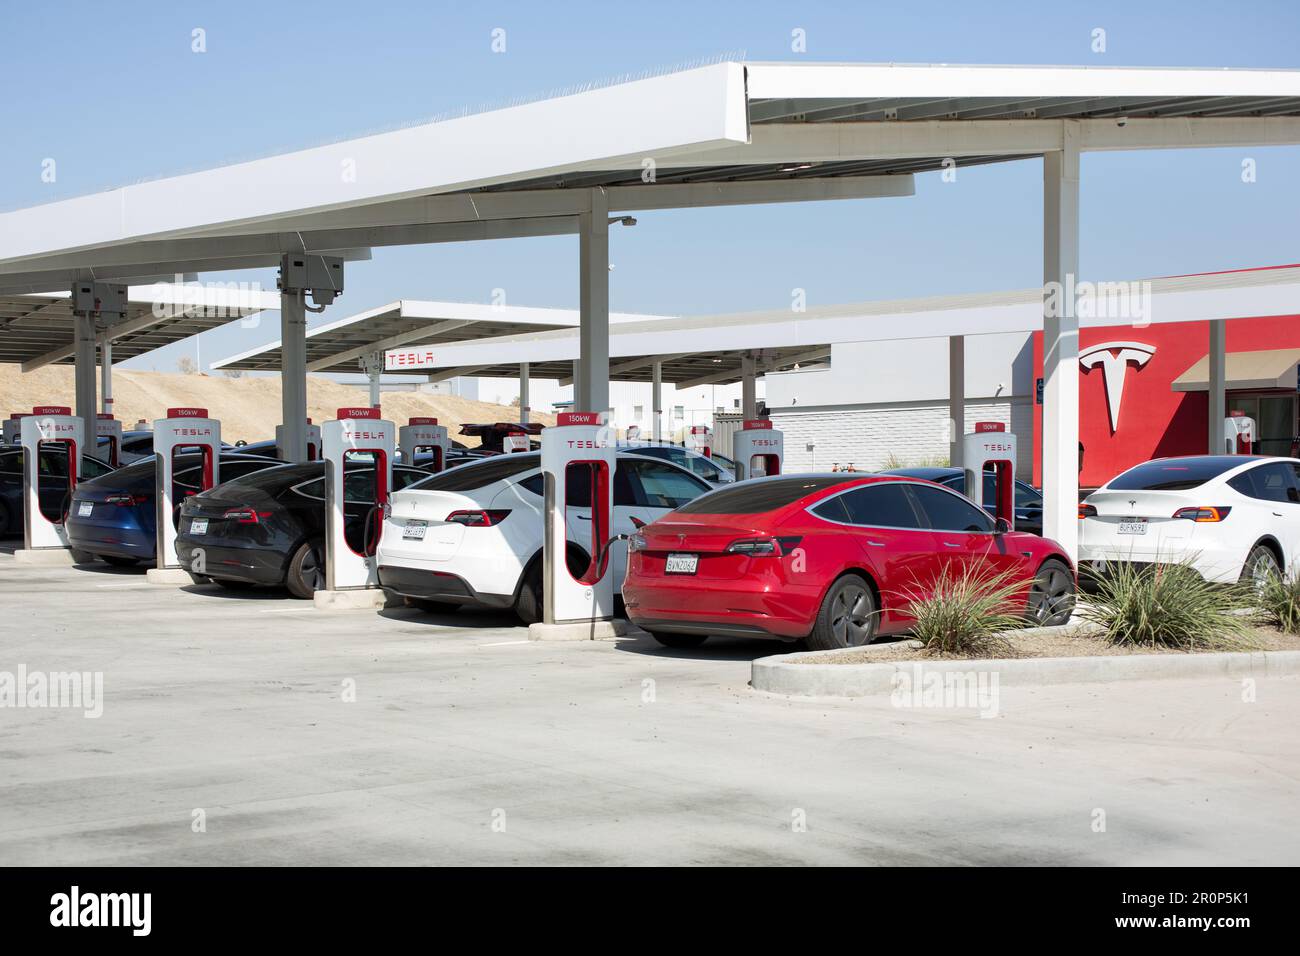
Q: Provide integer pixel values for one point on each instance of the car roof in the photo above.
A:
(929, 473)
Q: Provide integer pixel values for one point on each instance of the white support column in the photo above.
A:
(748, 388)
(591, 393)
(293, 375)
(1061, 342)
(84, 374)
(657, 401)
(524, 407)
(957, 399)
(106, 375)
(372, 363)
(1218, 394)
(577, 384)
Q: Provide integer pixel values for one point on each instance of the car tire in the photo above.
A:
(118, 561)
(430, 606)
(847, 618)
(1260, 563)
(231, 585)
(680, 641)
(306, 574)
(1051, 595)
(528, 603)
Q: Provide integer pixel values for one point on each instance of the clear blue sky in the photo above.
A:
(113, 93)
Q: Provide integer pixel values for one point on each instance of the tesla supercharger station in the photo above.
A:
(992, 448)
(13, 428)
(356, 431)
(189, 431)
(578, 461)
(313, 442)
(48, 425)
(633, 432)
(516, 441)
(758, 449)
(1238, 434)
(700, 438)
(424, 434)
(106, 426)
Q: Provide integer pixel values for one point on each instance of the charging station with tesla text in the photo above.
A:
(1238, 434)
(351, 575)
(424, 434)
(46, 503)
(184, 431)
(109, 431)
(313, 442)
(758, 449)
(579, 455)
(992, 448)
(12, 428)
(700, 438)
(516, 441)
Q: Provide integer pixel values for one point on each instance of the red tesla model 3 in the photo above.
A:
(834, 559)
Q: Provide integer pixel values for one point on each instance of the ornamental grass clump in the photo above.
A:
(1278, 601)
(967, 611)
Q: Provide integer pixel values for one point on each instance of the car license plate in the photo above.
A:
(1133, 526)
(199, 526)
(681, 563)
(414, 530)
(85, 508)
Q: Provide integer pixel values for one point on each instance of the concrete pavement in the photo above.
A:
(302, 737)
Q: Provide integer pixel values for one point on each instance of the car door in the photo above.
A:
(963, 533)
(644, 491)
(892, 538)
(1272, 507)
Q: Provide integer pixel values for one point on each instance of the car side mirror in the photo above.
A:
(1001, 526)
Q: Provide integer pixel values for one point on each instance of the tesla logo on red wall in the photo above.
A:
(1114, 359)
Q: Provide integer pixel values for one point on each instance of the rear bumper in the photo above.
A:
(751, 606)
(127, 541)
(437, 586)
(1214, 564)
(254, 566)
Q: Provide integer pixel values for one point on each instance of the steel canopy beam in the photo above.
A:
(392, 342)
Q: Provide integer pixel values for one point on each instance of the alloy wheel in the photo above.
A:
(851, 612)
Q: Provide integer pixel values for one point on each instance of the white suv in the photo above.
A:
(1232, 517)
(473, 535)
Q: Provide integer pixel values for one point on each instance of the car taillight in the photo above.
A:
(1203, 513)
(478, 519)
(126, 501)
(1087, 511)
(245, 515)
(764, 547)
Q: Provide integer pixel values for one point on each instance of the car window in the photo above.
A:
(577, 488)
(946, 511)
(1027, 496)
(138, 446)
(54, 463)
(480, 473)
(402, 477)
(1174, 474)
(884, 505)
(833, 509)
(1272, 482)
(657, 485)
(761, 495)
(312, 489)
(359, 487)
(534, 483)
(93, 467)
(11, 463)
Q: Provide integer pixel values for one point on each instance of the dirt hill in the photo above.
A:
(249, 408)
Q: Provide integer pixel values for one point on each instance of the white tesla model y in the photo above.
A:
(1231, 517)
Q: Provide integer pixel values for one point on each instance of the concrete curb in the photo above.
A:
(780, 675)
(579, 630)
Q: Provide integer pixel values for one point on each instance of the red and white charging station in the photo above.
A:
(12, 429)
(424, 434)
(992, 448)
(1238, 434)
(313, 442)
(579, 455)
(758, 449)
(189, 431)
(48, 425)
(700, 438)
(633, 433)
(106, 426)
(516, 441)
(356, 432)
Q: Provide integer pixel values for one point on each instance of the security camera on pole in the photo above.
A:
(51, 435)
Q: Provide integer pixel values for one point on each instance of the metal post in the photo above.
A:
(373, 365)
(293, 375)
(524, 407)
(1061, 342)
(106, 374)
(592, 392)
(748, 388)
(957, 399)
(84, 374)
(656, 401)
(577, 384)
(1218, 394)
